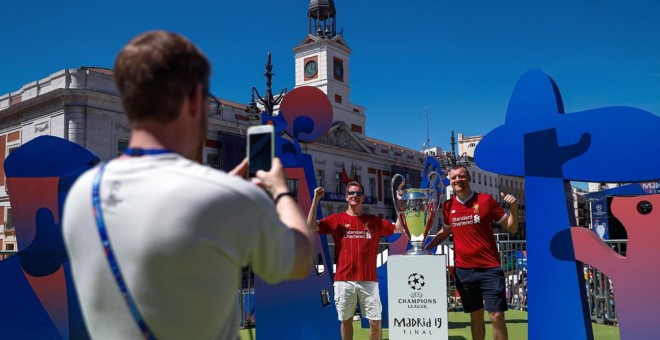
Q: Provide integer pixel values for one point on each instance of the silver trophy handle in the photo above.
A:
(436, 191)
(394, 199)
(430, 178)
(438, 188)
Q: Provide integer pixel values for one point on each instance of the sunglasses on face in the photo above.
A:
(356, 193)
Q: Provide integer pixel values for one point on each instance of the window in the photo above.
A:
(387, 198)
(9, 151)
(479, 178)
(9, 246)
(293, 186)
(338, 183)
(320, 177)
(372, 187)
(9, 224)
(474, 178)
(212, 160)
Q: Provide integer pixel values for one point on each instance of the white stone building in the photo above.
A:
(467, 144)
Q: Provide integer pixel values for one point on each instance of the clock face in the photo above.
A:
(338, 69)
(311, 68)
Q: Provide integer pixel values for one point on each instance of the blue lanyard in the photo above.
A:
(137, 152)
(107, 246)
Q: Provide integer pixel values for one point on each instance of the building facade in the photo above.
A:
(467, 144)
(581, 207)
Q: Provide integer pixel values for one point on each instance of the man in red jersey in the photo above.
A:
(356, 237)
(479, 278)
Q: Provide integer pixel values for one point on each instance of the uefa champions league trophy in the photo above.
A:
(416, 208)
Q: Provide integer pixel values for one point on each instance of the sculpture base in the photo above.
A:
(417, 297)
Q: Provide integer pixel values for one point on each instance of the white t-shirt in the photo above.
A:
(181, 233)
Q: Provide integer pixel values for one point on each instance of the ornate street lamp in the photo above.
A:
(268, 102)
(450, 160)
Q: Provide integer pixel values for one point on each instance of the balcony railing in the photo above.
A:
(7, 253)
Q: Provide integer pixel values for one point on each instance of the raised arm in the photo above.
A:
(311, 215)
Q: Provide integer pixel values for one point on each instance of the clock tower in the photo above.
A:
(322, 60)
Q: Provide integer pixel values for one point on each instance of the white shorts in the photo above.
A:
(347, 294)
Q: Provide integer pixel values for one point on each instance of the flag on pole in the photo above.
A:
(352, 177)
(344, 176)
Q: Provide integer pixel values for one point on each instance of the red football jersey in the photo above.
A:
(356, 244)
(472, 226)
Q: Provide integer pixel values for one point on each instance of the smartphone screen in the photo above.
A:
(260, 151)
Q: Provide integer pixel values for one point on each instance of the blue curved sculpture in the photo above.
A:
(549, 148)
(42, 296)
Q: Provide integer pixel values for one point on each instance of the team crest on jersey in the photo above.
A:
(477, 219)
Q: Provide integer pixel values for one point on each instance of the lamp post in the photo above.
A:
(450, 160)
(268, 102)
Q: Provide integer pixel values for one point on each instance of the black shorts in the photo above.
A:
(481, 288)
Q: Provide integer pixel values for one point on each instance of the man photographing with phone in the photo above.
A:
(156, 240)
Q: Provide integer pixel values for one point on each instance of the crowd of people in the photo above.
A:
(600, 293)
(516, 289)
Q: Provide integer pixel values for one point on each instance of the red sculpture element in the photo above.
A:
(634, 277)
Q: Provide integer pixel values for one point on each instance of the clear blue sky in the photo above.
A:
(459, 59)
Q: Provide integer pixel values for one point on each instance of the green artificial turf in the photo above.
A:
(459, 328)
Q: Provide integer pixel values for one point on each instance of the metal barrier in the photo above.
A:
(513, 260)
(600, 289)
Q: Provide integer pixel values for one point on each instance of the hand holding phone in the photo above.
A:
(260, 148)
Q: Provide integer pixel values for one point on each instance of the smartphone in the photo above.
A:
(260, 148)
